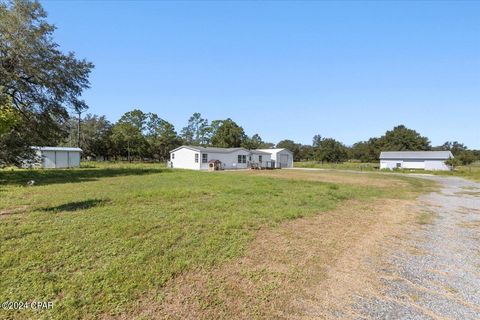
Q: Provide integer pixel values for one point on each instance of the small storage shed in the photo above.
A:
(282, 158)
(426, 160)
(58, 157)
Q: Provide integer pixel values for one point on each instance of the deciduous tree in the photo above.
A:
(40, 81)
(402, 138)
(228, 135)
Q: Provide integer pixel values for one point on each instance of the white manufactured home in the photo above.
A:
(426, 160)
(281, 157)
(57, 157)
(208, 158)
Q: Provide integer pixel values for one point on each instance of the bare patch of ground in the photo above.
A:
(465, 210)
(370, 180)
(443, 281)
(474, 224)
(309, 268)
(469, 193)
(13, 210)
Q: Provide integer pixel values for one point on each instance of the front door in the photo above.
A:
(283, 160)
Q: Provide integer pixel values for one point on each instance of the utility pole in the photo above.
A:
(79, 108)
(78, 128)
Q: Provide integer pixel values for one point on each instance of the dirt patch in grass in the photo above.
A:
(305, 268)
(470, 188)
(13, 210)
(469, 193)
(475, 224)
(465, 210)
(370, 180)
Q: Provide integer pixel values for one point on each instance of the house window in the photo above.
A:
(242, 158)
(259, 158)
(173, 156)
(196, 157)
(204, 157)
(249, 158)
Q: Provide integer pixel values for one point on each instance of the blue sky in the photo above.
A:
(347, 70)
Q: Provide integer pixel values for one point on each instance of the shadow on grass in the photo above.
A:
(75, 206)
(53, 176)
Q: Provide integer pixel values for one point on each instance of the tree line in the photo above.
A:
(138, 135)
(41, 105)
(145, 136)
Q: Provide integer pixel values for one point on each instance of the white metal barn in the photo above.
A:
(207, 158)
(283, 157)
(426, 160)
(58, 157)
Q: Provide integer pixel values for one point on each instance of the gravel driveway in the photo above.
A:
(437, 274)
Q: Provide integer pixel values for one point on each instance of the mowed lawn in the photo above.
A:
(471, 171)
(96, 240)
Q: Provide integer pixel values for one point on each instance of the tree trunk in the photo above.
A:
(128, 151)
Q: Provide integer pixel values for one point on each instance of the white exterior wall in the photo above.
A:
(185, 159)
(58, 159)
(389, 164)
(414, 164)
(436, 165)
(229, 160)
(266, 158)
(48, 158)
(74, 159)
(282, 158)
(61, 160)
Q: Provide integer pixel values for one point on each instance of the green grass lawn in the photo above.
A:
(340, 165)
(470, 172)
(94, 240)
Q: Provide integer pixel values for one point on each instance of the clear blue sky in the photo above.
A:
(347, 70)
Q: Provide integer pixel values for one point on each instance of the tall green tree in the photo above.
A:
(306, 152)
(128, 135)
(454, 146)
(197, 130)
(466, 157)
(316, 141)
(366, 151)
(161, 137)
(228, 135)
(401, 138)
(329, 150)
(41, 82)
(253, 142)
(95, 137)
(8, 116)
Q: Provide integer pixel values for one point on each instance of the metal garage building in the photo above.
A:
(283, 157)
(426, 160)
(58, 157)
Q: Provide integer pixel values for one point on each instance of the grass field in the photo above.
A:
(470, 172)
(97, 239)
(341, 166)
